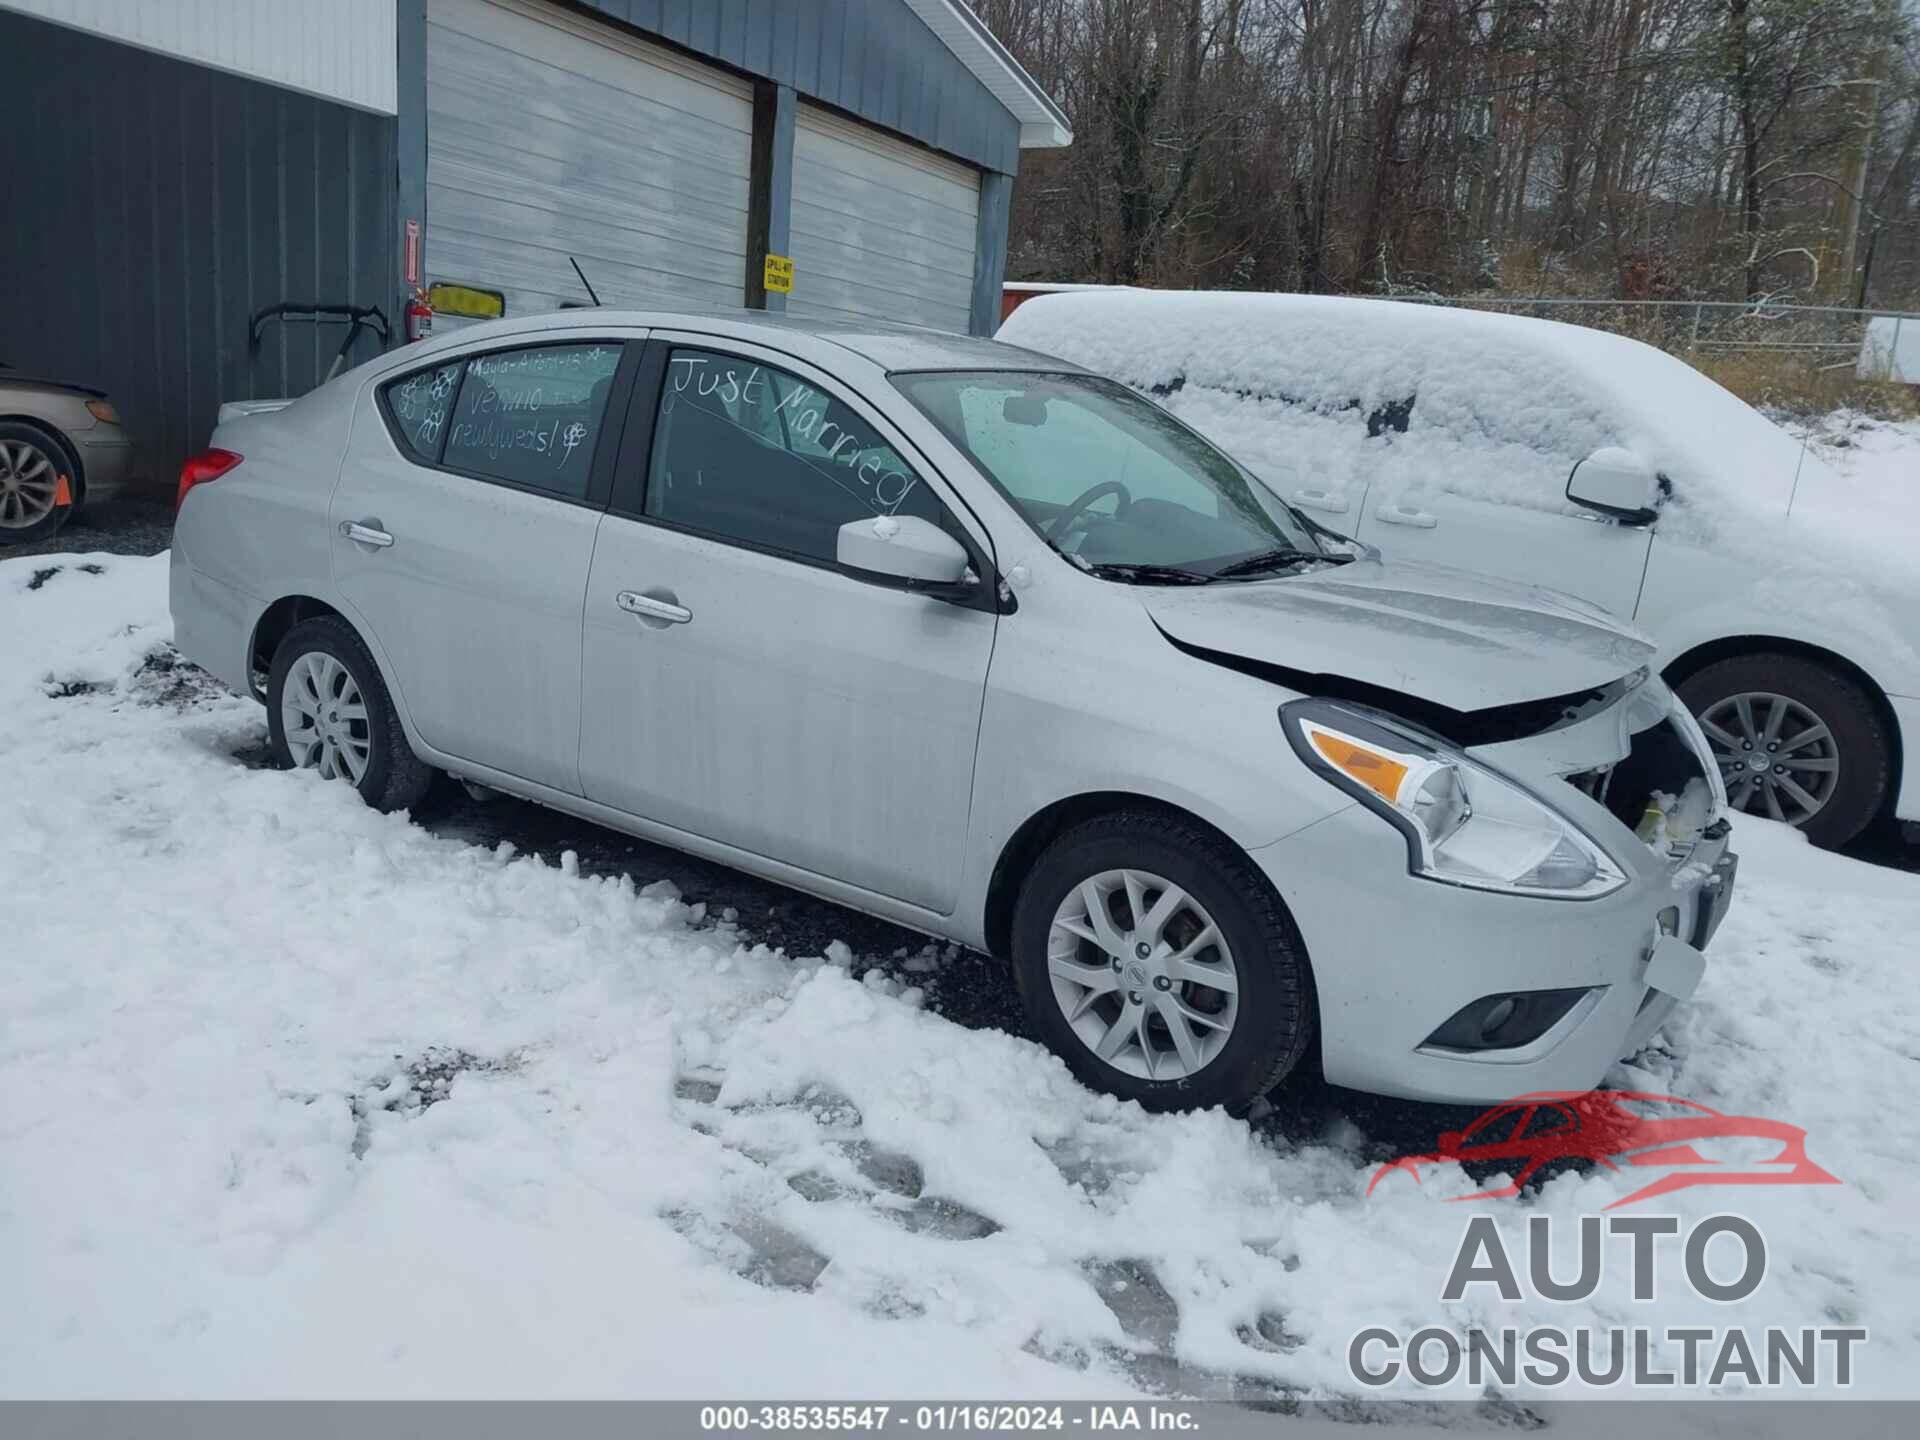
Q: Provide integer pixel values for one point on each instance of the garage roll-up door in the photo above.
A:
(880, 229)
(549, 136)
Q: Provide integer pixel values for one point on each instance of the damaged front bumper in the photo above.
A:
(1442, 992)
(1396, 964)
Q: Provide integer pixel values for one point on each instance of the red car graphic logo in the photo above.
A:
(1616, 1128)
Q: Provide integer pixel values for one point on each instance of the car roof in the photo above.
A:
(890, 346)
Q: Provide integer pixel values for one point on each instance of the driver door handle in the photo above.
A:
(649, 608)
(1321, 500)
(366, 532)
(1406, 515)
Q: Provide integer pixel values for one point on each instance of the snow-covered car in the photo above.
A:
(992, 647)
(1784, 595)
(61, 445)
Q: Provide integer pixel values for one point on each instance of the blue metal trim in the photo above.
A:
(990, 250)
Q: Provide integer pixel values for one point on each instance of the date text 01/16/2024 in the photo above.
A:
(977, 1418)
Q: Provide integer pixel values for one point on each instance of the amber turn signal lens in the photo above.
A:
(1372, 769)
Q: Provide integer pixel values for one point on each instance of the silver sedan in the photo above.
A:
(971, 639)
(61, 446)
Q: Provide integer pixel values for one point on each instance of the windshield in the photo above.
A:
(1111, 480)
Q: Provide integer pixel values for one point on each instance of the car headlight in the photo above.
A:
(1464, 823)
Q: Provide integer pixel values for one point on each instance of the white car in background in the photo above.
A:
(1784, 596)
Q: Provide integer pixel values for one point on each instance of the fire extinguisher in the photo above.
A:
(419, 316)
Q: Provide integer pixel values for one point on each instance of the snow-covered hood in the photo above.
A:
(1438, 634)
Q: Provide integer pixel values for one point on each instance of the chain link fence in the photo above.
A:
(1874, 344)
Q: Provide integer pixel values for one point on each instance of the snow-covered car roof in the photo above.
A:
(1501, 404)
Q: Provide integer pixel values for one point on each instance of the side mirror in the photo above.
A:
(1616, 482)
(905, 552)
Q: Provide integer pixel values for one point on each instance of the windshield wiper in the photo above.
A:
(1148, 574)
(1273, 559)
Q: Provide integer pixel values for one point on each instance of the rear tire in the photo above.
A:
(1847, 769)
(328, 710)
(1080, 993)
(32, 460)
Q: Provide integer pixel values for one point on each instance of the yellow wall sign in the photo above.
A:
(778, 275)
(468, 302)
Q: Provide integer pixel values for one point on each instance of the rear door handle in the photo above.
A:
(1404, 515)
(366, 532)
(1321, 500)
(653, 607)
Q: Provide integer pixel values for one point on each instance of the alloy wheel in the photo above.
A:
(29, 484)
(1143, 975)
(1777, 756)
(324, 716)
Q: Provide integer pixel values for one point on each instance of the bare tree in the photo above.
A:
(1648, 147)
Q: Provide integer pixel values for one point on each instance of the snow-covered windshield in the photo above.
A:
(1110, 479)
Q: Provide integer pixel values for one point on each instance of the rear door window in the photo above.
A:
(530, 418)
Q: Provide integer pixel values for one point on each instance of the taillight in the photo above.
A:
(198, 469)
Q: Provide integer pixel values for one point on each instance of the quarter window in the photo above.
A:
(754, 454)
(530, 418)
(419, 404)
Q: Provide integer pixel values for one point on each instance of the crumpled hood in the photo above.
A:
(1442, 635)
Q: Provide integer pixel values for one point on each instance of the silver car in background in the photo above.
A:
(973, 640)
(61, 446)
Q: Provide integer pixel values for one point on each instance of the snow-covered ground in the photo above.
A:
(1877, 462)
(298, 1099)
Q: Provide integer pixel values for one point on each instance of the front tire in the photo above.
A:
(1797, 741)
(1158, 962)
(328, 710)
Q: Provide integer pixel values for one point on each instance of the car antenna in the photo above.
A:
(583, 280)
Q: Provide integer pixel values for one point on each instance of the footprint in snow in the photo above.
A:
(814, 1142)
(828, 1159)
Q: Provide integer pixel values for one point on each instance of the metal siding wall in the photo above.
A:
(175, 201)
(872, 58)
(551, 136)
(880, 229)
(339, 49)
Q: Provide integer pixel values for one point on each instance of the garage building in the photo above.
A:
(191, 165)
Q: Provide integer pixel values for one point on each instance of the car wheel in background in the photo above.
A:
(1159, 963)
(1797, 741)
(328, 710)
(32, 464)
